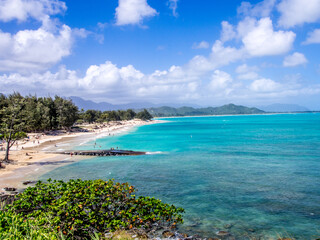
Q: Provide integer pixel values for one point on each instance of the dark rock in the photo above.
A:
(168, 234)
(28, 182)
(222, 233)
(9, 189)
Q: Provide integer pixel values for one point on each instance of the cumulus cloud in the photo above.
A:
(125, 84)
(199, 79)
(21, 10)
(62, 82)
(261, 9)
(247, 73)
(262, 40)
(201, 45)
(313, 37)
(227, 32)
(173, 5)
(133, 12)
(265, 85)
(220, 56)
(298, 12)
(294, 60)
(220, 80)
(34, 49)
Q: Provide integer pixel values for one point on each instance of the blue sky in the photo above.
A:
(172, 51)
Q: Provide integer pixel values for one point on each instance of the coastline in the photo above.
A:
(226, 115)
(32, 157)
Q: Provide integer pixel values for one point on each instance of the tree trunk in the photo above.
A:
(6, 158)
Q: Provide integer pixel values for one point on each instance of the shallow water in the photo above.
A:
(249, 175)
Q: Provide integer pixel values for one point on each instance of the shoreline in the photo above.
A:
(31, 158)
(229, 115)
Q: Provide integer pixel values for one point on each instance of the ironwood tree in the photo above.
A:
(12, 121)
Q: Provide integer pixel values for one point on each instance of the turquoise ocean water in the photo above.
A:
(252, 176)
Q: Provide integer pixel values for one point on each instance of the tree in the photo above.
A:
(113, 116)
(67, 112)
(12, 122)
(91, 116)
(144, 115)
(130, 114)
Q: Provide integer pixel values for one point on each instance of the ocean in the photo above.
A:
(251, 175)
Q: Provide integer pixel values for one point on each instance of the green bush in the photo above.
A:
(80, 208)
(15, 227)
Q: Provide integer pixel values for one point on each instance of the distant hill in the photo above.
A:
(277, 107)
(166, 111)
(104, 106)
(190, 111)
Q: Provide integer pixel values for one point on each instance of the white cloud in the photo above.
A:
(298, 12)
(265, 85)
(34, 49)
(220, 80)
(62, 82)
(201, 45)
(24, 9)
(261, 9)
(114, 84)
(313, 37)
(219, 56)
(227, 32)
(247, 73)
(133, 12)
(173, 5)
(262, 40)
(30, 50)
(244, 68)
(294, 60)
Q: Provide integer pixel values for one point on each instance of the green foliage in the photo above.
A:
(67, 112)
(14, 136)
(12, 120)
(20, 114)
(189, 111)
(91, 116)
(15, 227)
(28, 114)
(80, 208)
(144, 115)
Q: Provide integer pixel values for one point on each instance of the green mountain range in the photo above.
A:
(190, 111)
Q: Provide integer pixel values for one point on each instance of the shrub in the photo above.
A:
(80, 208)
(15, 227)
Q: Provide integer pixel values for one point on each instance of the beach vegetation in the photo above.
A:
(20, 114)
(12, 121)
(144, 115)
(91, 116)
(80, 209)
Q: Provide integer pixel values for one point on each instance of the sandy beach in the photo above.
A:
(33, 156)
